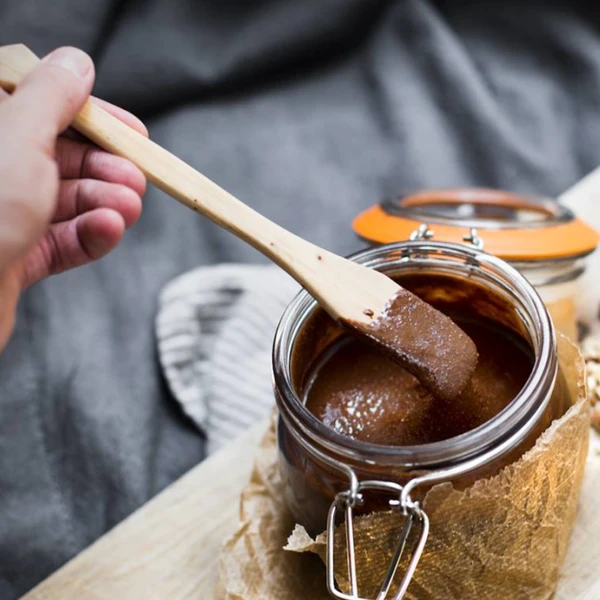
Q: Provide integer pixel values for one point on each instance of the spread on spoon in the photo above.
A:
(427, 343)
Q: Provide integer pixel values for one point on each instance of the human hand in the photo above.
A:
(63, 202)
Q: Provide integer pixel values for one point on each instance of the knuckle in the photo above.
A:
(53, 254)
(91, 157)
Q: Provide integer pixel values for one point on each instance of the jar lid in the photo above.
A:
(512, 226)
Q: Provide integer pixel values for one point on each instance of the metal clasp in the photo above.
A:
(400, 502)
(422, 233)
(474, 239)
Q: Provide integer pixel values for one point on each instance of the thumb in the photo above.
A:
(47, 100)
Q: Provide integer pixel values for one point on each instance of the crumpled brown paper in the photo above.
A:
(564, 317)
(505, 537)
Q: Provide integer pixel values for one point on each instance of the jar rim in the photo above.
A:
(413, 205)
(523, 408)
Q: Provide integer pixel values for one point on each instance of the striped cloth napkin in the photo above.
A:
(215, 328)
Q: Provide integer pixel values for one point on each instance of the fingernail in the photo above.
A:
(71, 59)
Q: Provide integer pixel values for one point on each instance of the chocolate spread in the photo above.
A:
(427, 343)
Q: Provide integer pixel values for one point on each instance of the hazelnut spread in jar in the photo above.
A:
(360, 393)
(356, 432)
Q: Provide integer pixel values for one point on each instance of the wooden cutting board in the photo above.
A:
(168, 549)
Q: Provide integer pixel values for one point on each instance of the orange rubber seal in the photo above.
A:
(513, 227)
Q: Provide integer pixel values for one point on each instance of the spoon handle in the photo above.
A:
(177, 178)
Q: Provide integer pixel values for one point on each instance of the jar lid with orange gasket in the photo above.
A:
(540, 237)
(513, 226)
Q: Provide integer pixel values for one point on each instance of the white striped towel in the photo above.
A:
(215, 328)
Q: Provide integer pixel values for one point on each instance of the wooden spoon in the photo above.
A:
(429, 344)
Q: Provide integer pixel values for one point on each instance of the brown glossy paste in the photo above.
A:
(360, 393)
(425, 342)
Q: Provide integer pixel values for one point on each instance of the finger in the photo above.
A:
(122, 115)
(78, 196)
(115, 111)
(74, 243)
(52, 94)
(78, 160)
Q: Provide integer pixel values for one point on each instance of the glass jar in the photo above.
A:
(538, 236)
(327, 474)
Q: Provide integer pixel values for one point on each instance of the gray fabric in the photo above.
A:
(309, 111)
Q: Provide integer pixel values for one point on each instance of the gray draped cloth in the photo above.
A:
(309, 111)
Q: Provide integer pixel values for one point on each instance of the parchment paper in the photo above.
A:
(564, 316)
(505, 537)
